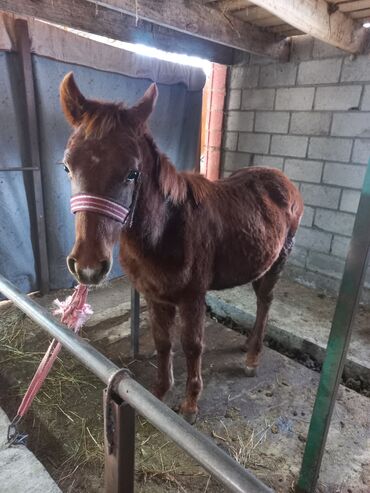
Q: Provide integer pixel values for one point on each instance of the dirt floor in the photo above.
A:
(262, 422)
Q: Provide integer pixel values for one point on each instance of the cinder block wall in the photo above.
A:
(310, 118)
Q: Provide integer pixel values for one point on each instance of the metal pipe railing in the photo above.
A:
(202, 449)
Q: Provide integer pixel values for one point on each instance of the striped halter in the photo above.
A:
(102, 205)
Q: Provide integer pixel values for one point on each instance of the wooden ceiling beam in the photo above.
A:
(194, 18)
(321, 20)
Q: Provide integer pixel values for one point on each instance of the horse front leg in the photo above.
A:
(162, 318)
(192, 316)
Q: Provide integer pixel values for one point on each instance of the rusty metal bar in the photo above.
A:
(119, 419)
(236, 478)
(24, 52)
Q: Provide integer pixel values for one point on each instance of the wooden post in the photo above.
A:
(24, 53)
(119, 445)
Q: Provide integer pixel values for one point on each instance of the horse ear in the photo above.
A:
(72, 101)
(144, 107)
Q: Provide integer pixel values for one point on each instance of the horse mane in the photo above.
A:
(176, 185)
(102, 118)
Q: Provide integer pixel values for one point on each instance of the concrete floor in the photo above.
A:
(300, 318)
(262, 421)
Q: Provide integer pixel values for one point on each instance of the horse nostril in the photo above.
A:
(105, 266)
(71, 262)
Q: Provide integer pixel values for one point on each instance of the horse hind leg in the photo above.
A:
(264, 288)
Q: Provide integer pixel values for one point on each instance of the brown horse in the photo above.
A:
(184, 234)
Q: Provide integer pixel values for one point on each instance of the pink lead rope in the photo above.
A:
(74, 312)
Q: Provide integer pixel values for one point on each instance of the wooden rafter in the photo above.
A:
(321, 20)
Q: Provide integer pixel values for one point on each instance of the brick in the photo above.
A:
(314, 239)
(340, 246)
(319, 71)
(361, 151)
(357, 69)
(365, 105)
(230, 141)
(289, 145)
(234, 99)
(308, 123)
(268, 161)
(278, 74)
(235, 160)
(335, 221)
(254, 143)
(320, 195)
(261, 60)
(244, 77)
(272, 121)
(329, 148)
(344, 175)
(295, 98)
(258, 99)
(303, 170)
(324, 50)
(240, 121)
(337, 98)
(350, 200)
(351, 124)
(307, 218)
(325, 264)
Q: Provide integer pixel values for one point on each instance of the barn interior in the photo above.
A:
(283, 84)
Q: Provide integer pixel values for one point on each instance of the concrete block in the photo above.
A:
(344, 175)
(241, 121)
(330, 149)
(295, 98)
(261, 60)
(235, 160)
(334, 221)
(365, 105)
(337, 98)
(313, 239)
(289, 145)
(272, 121)
(298, 256)
(301, 48)
(234, 99)
(361, 151)
(303, 170)
(325, 264)
(350, 200)
(230, 141)
(307, 218)
(244, 77)
(351, 124)
(258, 99)
(254, 143)
(278, 74)
(319, 71)
(268, 161)
(308, 123)
(324, 50)
(340, 246)
(320, 195)
(357, 69)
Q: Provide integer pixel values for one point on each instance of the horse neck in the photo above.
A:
(150, 212)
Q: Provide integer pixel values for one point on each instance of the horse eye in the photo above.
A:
(66, 169)
(132, 176)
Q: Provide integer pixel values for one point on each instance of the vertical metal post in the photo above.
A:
(339, 338)
(119, 421)
(24, 53)
(135, 321)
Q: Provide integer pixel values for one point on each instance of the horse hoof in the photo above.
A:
(190, 417)
(250, 371)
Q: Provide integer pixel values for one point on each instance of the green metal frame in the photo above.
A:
(339, 338)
